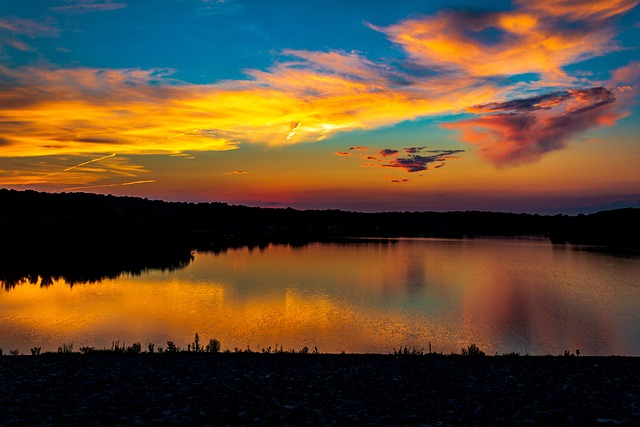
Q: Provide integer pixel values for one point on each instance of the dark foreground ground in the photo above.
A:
(290, 389)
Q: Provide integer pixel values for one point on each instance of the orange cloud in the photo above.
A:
(539, 37)
(591, 10)
(72, 111)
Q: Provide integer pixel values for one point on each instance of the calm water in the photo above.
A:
(504, 295)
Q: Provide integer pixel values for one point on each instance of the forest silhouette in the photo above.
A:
(84, 237)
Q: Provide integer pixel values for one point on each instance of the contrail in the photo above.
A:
(110, 185)
(175, 136)
(73, 167)
(87, 162)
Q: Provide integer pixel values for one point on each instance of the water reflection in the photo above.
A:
(504, 295)
(74, 270)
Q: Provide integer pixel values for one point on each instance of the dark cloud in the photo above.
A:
(413, 150)
(357, 147)
(417, 159)
(98, 140)
(419, 163)
(523, 130)
(593, 97)
(388, 152)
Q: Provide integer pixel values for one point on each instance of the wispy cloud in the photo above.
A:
(15, 32)
(27, 27)
(88, 6)
(218, 7)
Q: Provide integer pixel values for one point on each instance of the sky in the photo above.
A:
(518, 106)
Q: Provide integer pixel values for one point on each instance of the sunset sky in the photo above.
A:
(520, 106)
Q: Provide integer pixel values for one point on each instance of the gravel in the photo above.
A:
(308, 389)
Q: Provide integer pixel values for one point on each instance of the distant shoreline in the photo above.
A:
(33, 223)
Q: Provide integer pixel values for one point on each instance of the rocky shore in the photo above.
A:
(308, 389)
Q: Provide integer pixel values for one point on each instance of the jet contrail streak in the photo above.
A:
(110, 185)
(87, 162)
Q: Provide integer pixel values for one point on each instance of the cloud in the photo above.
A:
(418, 159)
(388, 152)
(523, 130)
(14, 30)
(418, 163)
(88, 6)
(27, 27)
(412, 150)
(236, 173)
(218, 7)
(535, 37)
(309, 96)
(395, 179)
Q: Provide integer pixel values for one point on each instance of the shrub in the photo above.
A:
(135, 348)
(116, 347)
(196, 344)
(151, 347)
(35, 351)
(15, 352)
(86, 349)
(66, 348)
(406, 351)
(473, 351)
(213, 346)
(171, 347)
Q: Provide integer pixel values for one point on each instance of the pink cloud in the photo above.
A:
(523, 130)
(88, 6)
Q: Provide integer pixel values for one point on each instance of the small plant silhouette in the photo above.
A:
(86, 350)
(116, 347)
(66, 348)
(406, 351)
(473, 351)
(213, 346)
(171, 347)
(135, 348)
(35, 351)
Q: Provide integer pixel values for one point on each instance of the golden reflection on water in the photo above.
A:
(503, 295)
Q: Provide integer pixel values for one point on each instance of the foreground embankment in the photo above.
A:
(295, 389)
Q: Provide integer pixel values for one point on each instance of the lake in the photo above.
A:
(505, 295)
